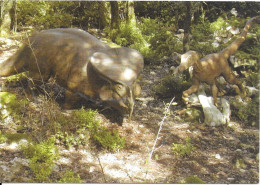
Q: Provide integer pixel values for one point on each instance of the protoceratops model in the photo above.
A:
(213, 65)
(80, 63)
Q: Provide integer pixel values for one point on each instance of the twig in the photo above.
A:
(160, 128)
(102, 170)
(36, 60)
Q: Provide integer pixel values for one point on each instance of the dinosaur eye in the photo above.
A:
(120, 89)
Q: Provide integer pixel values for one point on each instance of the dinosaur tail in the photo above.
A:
(233, 47)
(13, 65)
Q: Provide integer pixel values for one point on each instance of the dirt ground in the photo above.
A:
(214, 159)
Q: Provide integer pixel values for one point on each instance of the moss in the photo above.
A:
(240, 164)
(171, 85)
(9, 104)
(253, 79)
(192, 180)
(248, 112)
(17, 77)
(109, 139)
(3, 138)
(193, 115)
(15, 137)
(183, 149)
(69, 177)
(41, 157)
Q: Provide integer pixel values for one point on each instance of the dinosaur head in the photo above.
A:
(119, 67)
(188, 59)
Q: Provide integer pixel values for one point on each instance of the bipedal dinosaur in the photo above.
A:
(212, 66)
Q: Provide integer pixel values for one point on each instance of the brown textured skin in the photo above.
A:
(65, 55)
(213, 65)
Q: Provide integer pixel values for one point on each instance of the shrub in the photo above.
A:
(172, 85)
(183, 149)
(69, 177)
(10, 105)
(81, 126)
(109, 139)
(192, 180)
(41, 157)
(247, 112)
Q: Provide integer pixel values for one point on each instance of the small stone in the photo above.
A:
(218, 156)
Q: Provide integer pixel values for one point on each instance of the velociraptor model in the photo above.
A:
(213, 65)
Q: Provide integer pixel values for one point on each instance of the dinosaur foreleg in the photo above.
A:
(214, 90)
(192, 89)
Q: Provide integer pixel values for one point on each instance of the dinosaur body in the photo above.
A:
(212, 66)
(80, 63)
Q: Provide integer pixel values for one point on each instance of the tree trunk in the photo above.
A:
(6, 16)
(115, 21)
(130, 13)
(187, 27)
(102, 15)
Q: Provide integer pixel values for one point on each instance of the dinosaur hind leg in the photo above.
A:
(230, 78)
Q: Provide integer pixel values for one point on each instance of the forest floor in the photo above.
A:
(225, 154)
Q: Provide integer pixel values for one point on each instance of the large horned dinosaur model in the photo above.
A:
(80, 63)
(213, 65)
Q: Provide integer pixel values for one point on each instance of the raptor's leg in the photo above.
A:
(230, 78)
(214, 90)
(192, 89)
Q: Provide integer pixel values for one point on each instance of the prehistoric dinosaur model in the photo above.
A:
(80, 63)
(213, 65)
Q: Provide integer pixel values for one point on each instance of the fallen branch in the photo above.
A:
(166, 113)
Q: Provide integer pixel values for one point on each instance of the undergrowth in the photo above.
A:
(42, 158)
(183, 149)
(172, 85)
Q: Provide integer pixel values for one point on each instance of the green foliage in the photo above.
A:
(43, 14)
(3, 138)
(240, 164)
(247, 112)
(172, 85)
(218, 26)
(82, 126)
(192, 180)
(253, 79)
(69, 177)
(42, 158)
(75, 129)
(161, 40)
(10, 105)
(183, 149)
(193, 114)
(201, 31)
(109, 139)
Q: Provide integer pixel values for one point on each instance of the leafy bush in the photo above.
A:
(69, 177)
(253, 79)
(162, 41)
(172, 85)
(192, 180)
(247, 112)
(201, 31)
(109, 139)
(3, 138)
(183, 149)
(42, 158)
(10, 105)
(81, 126)
(43, 15)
